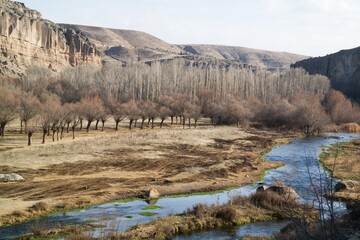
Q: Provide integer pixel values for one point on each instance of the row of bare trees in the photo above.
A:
(301, 111)
(143, 93)
(149, 82)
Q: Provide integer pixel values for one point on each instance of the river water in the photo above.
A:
(301, 164)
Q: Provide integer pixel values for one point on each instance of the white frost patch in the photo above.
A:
(11, 177)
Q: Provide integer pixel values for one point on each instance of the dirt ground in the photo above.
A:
(100, 166)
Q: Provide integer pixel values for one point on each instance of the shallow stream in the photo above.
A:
(299, 157)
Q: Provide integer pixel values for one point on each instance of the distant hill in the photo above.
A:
(26, 38)
(342, 68)
(127, 45)
(249, 56)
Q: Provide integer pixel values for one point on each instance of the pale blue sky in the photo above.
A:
(309, 27)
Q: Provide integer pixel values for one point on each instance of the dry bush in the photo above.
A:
(226, 213)
(350, 128)
(240, 200)
(271, 200)
(19, 214)
(39, 229)
(40, 206)
(79, 236)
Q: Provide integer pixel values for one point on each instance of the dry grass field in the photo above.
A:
(100, 166)
(342, 160)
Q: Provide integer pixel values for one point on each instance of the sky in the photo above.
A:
(308, 27)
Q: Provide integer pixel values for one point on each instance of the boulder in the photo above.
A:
(152, 193)
(11, 177)
(262, 188)
(283, 191)
(344, 185)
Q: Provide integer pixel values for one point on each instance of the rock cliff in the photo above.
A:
(127, 45)
(26, 38)
(342, 68)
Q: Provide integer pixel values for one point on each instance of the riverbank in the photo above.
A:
(342, 161)
(258, 207)
(104, 166)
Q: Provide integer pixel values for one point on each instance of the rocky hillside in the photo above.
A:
(26, 38)
(127, 45)
(342, 68)
(249, 56)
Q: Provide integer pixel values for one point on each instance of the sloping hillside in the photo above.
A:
(342, 68)
(255, 57)
(127, 45)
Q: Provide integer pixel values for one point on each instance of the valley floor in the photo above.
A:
(98, 167)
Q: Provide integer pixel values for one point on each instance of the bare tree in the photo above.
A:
(164, 112)
(309, 113)
(28, 108)
(92, 107)
(118, 112)
(340, 109)
(8, 107)
(132, 111)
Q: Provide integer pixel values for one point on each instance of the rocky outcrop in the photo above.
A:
(127, 46)
(342, 68)
(26, 38)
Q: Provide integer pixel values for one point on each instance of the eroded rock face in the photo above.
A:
(26, 38)
(342, 68)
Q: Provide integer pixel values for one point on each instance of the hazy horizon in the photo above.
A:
(307, 27)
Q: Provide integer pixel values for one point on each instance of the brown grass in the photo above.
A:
(99, 166)
(350, 127)
(342, 160)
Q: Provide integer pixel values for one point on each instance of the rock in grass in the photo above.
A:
(280, 189)
(283, 191)
(344, 185)
(262, 188)
(11, 177)
(153, 193)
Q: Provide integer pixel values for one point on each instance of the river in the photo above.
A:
(299, 157)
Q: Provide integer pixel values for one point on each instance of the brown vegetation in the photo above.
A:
(126, 164)
(342, 160)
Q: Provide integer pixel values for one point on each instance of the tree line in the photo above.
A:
(182, 90)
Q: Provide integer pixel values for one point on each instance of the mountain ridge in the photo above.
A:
(131, 45)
